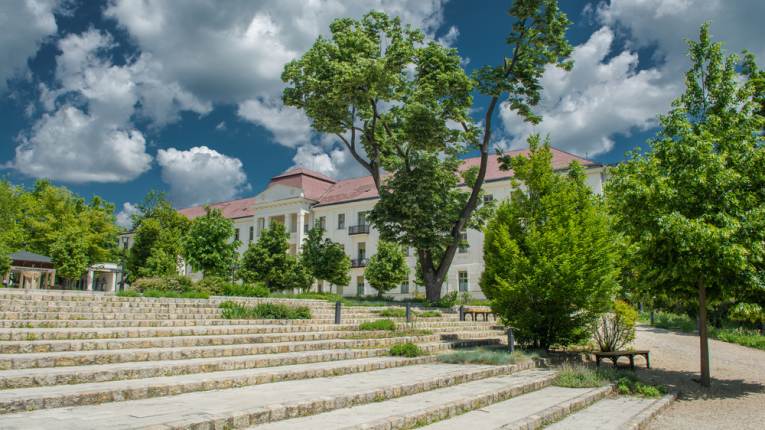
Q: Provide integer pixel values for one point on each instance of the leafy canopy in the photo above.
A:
(324, 260)
(551, 258)
(267, 260)
(206, 245)
(387, 268)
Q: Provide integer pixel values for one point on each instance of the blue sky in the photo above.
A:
(120, 97)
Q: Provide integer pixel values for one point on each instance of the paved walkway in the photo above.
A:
(736, 399)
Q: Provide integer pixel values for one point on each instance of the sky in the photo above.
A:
(119, 97)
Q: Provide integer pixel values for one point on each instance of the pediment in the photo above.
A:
(279, 192)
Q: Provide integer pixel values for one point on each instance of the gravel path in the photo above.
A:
(736, 399)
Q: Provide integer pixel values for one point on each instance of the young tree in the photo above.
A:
(695, 204)
(296, 276)
(267, 260)
(146, 239)
(69, 254)
(387, 268)
(551, 257)
(206, 246)
(5, 262)
(172, 228)
(377, 80)
(324, 260)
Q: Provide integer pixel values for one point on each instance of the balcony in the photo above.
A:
(359, 263)
(358, 229)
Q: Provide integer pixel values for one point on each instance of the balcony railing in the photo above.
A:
(358, 229)
(359, 263)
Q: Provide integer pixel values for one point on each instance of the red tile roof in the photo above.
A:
(233, 209)
(327, 191)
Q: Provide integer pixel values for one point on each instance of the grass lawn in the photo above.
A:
(731, 331)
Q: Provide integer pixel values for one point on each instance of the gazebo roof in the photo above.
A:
(29, 256)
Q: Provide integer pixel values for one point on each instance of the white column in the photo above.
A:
(89, 282)
(288, 222)
(111, 280)
(300, 235)
(268, 223)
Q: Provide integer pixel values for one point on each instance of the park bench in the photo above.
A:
(614, 357)
(473, 313)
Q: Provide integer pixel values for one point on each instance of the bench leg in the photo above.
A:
(632, 362)
(647, 361)
(597, 360)
(614, 360)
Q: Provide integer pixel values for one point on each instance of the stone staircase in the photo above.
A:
(72, 360)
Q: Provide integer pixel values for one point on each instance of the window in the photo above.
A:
(405, 287)
(323, 222)
(236, 234)
(362, 218)
(362, 251)
(360, 285)
(340, 221)
(406, 251)
(252, 232)
(463, 279)
(463, 237)
(487, 198)
(305, 228)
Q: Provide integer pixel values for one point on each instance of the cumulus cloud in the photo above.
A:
(87, 135)
(289, 126)
(25, 25)
(583, 108)
(337, 163)
(201, 175)
(221, 126)
(123, 216)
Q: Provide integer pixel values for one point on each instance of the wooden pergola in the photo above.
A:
(31, 270)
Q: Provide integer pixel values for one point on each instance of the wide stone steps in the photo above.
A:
(49, 376)
(282, 402)
(134, 323)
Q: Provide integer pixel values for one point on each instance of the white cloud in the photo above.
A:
(289, 126)
(123, 216)
(202, 175)
(337, 164)
(221, 126)
(450, 38)
(25, 25)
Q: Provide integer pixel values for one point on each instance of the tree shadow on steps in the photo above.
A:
(690, 390)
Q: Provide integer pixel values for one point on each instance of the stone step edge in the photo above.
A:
(642, 419)
(555, 413)
(93, 396)
(83, 374)
(283, 411)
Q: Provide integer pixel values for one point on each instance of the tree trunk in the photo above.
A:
(430, 278)
(703, 339)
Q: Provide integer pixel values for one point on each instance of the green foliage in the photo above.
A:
(387, 268)
(395, 312)
(5, 261)
(69, 254)
(446, 301)
(616, 329)
(747, 312)
(486, 356)
(233, 310)
(178, 284)
(194, 295)
(384, 324)
(406, 350)
(466, 298)
(267, 260)
(153, 293)
(206, 245)
(551, 257)
(430, 314)
(213, 285)
(631, 386)
(245, 290)
(363, 75)
(128, 293)
(324, 260)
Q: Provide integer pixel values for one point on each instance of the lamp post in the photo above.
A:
(125, 240)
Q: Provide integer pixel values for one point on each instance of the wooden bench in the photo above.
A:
(481, 312)
(614, 357)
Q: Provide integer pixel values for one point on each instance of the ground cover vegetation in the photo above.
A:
(552, 260)
(234, 310)
(408, 349)
(490, 356)
(694, 205)
(378, 80)
(581, 376)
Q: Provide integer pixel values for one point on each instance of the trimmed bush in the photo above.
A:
(385, 324)
(406, 350)
(233, 310)
(178, 284)
(212, 285)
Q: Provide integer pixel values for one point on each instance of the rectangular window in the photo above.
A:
(362, 251)
(463, 237)
(236, 235)
(341, 221)
(405, 287)
(463, 279)
(323, 222)
(360, 285)
(252, 232)
(362, 218)
(487, 198)
(406, 251)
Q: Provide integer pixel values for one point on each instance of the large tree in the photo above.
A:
(206, 245)
(324, 260)
(551, 257)
(695, 203)
(70, 255)
(401, 106)
(387, 268)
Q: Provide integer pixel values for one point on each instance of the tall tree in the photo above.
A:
(70, 255)
(324, 260)
(206, 245)
(5, 262)
(695, 204)
(551, 257)
(387, 268)
(377, 80)
(14, 204)
(146, 239)
(267, 260)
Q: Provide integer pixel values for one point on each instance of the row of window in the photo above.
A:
(462, 277)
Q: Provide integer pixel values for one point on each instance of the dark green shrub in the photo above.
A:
(244, 290)
(395, 312)
(406, 350)
(152, 293)
(212, 285)
(171, 295)
(385, 324)
(233, 310)
(128, 293)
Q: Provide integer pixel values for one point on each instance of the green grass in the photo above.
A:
(395, 312)
(406, 350)
(487, 356)
(194, 295)
(128, 293)
(153, 293)
(580, 376)
(166, 294)
(430, 314)
(232, 310)
(731, 331)
(385, 324)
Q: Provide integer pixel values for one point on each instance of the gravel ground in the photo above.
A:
(736, 399)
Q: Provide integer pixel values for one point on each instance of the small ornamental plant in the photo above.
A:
(408, 349)
(616, 329)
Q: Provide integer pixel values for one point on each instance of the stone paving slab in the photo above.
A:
(242, 407)
(608, 414)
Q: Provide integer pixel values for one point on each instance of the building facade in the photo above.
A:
(299, 198)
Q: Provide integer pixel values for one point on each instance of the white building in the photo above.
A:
(301, 197)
